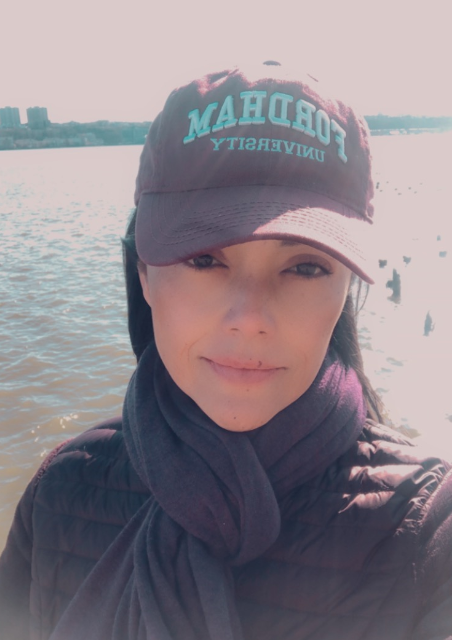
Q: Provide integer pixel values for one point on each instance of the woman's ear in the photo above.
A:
(143, 275)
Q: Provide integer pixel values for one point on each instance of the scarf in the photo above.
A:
(214, 504)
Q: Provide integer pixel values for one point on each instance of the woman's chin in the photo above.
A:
(240, 421)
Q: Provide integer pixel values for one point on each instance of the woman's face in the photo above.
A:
(244, 330)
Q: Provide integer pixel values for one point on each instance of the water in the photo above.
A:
(411, 370)
(65, 358)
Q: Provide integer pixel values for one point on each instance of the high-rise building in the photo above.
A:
(9, 117)
(37, 117)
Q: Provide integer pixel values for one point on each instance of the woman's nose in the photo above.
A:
(249, 308)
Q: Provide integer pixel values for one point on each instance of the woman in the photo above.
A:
(246, 492)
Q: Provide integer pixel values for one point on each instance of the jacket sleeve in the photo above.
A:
(15, 572)
(15, 564)
(434, 566)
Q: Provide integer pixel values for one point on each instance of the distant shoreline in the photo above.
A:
(105, 133)
(407, 132)
(74, 134)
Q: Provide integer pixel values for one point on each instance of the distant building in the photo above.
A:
(9, 117)
(37, 117)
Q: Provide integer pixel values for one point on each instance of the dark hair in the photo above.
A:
(344, 338)
(345, 341)
(139, 316)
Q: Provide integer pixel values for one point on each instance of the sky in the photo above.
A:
(119, 59)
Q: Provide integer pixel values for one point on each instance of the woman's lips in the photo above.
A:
(245, 372)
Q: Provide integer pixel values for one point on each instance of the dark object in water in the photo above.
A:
(442, 254)
(429, 325)
(382, 263)
(395, 285)
(406, 259)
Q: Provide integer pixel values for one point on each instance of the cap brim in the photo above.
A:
(172, 227)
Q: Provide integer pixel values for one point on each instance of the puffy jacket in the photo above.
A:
(365, 549)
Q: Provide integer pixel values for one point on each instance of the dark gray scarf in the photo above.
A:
(214, 503)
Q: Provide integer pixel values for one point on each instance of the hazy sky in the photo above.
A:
(118, 60)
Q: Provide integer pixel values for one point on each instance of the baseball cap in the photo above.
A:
(255, 152)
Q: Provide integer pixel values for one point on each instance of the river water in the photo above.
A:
(65, 358)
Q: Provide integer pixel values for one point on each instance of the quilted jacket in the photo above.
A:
(364, 553)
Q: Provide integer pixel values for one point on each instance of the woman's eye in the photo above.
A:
(202, 262)
(309, 270)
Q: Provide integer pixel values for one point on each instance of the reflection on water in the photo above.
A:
(65, 357)
(414, 229)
